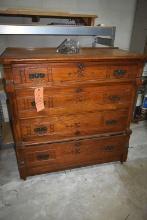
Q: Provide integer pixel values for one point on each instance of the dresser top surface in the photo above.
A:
(50, 54)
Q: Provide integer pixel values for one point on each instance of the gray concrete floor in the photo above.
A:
(101, 192)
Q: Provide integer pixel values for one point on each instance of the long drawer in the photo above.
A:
(72, 72)
(50, 157)
(70, 100)
(68, 126)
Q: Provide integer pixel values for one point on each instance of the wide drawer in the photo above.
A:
(50, 157)
(62, 127)
(70, 100)
(72, 72)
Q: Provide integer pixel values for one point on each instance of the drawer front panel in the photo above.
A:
(71, 73)
(31, 75)
(74, 100)
(62, 73)
(48, 129)
(123, 71)
(76, 152)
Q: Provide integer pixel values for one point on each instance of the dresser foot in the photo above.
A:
(23, 177)
(123, 158)
(22, 173)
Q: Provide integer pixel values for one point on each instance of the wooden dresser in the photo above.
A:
(88, 97)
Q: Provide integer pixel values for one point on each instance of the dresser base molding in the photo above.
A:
(46, 158)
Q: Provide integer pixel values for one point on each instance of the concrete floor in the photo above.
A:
(101, 192)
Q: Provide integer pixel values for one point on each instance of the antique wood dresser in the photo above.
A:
(88, 103)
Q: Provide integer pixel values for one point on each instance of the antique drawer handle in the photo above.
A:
(36, 75)
(114, 98)
(109, 148)
(40, 130)
(111, 122)
(42, 156)
(81, 66)
(119, 72)
(33, 103)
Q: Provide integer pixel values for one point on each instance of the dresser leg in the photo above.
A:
(121, 161)
(22, 173)
(123, 158)
(23, 177)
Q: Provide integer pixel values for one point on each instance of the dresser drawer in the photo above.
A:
(31, 74)
(75, 99)
(63, 73)
(74, 153)
(73, 72)
(123, 71)
(62, 127)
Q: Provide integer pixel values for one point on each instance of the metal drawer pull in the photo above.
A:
(40, 130)
(111, 122)
(108, 148)
(36, 75)
(42, 156)
(119, 72)
(114, 98)
(33, 103)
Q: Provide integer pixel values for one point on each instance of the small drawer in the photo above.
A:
(123, 71)
(30, 74)
(63, 73)
(64, 155)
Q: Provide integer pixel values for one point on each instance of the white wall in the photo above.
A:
(119, 13)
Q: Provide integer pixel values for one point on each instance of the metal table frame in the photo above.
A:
(107, 32)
